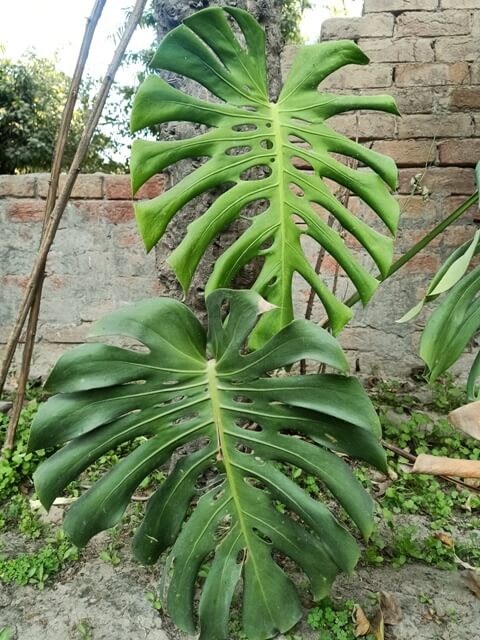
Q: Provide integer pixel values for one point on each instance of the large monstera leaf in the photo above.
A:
(248, 132)
(219, 503)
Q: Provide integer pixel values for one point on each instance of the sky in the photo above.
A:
(55, 28)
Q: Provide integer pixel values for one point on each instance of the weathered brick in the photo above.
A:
(456, 235)
(407, 153)
(457, 48)
(439, 180)
(86, 185)
(476, 124)
(365, 126)
(377, 26)
(475, 79)
(397, 49)
(450, 204)
(440, 23)
(371, 76)
(459, 4)
(431, 74)
(371, 6)
(459, 151)
(17, 186)
(25, 210)
(435, 126)
(423, 263)
(409, 238)
(113, 211)
(465, 98)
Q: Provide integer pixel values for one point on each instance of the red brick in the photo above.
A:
(449, 205)
(18, 186)
(435, 125)
(439, 180)
(117, 187)
(127, 238)
(457, 234)
(86, 185)
(151, 189)
(408, 153)
(114, 211)
(440, 23)
(422, 263)
(460, 151)
(465, 98)
(431, 74)
(25, 210)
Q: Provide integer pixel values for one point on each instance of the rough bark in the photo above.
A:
(170, 13)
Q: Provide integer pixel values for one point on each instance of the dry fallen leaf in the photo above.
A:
(392, 612)
(445, 538)
(441, 466)
(467, 419)
(377, 627)
(362, 624)
(472, 581)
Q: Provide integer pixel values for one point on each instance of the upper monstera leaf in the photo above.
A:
(219, 505)
(249, 132)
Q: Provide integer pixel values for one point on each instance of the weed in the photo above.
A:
(333, 622)
(84, 630)
(37, 567)
(154, 599)
(7, 633)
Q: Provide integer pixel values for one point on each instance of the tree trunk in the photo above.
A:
(169, 14)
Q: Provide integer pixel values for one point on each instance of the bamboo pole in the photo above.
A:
(53, 218)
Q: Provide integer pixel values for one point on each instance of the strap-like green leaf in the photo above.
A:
(249, 427)
(452, 325)
(248, 132)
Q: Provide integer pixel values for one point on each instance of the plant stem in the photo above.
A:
(57, 212)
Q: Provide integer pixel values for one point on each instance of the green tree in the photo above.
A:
(32, 95)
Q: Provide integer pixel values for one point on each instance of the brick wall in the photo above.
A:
(97, 261)
(425, 53)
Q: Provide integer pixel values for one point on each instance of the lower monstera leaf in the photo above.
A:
(229, 508)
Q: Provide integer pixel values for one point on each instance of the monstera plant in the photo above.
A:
(221, 405)
(246, 132)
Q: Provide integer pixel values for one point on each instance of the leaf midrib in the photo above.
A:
(223, 455)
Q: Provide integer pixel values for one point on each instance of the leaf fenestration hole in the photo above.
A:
(261, 172)
(244, 127)
(296, 190)
(262, 536)
(266, 144)
(237, 151)
(301, 163)
(243, 399)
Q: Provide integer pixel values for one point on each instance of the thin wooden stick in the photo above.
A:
(57, 212)
(411, 458)
(58, 156)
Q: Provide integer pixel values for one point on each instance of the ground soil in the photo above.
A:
(110, 602)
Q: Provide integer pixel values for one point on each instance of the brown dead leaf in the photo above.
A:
(472, 581)
(445, 538)
(392, 612)
(377, 627)
(441, 466)
(362, 623)
(467, 419)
